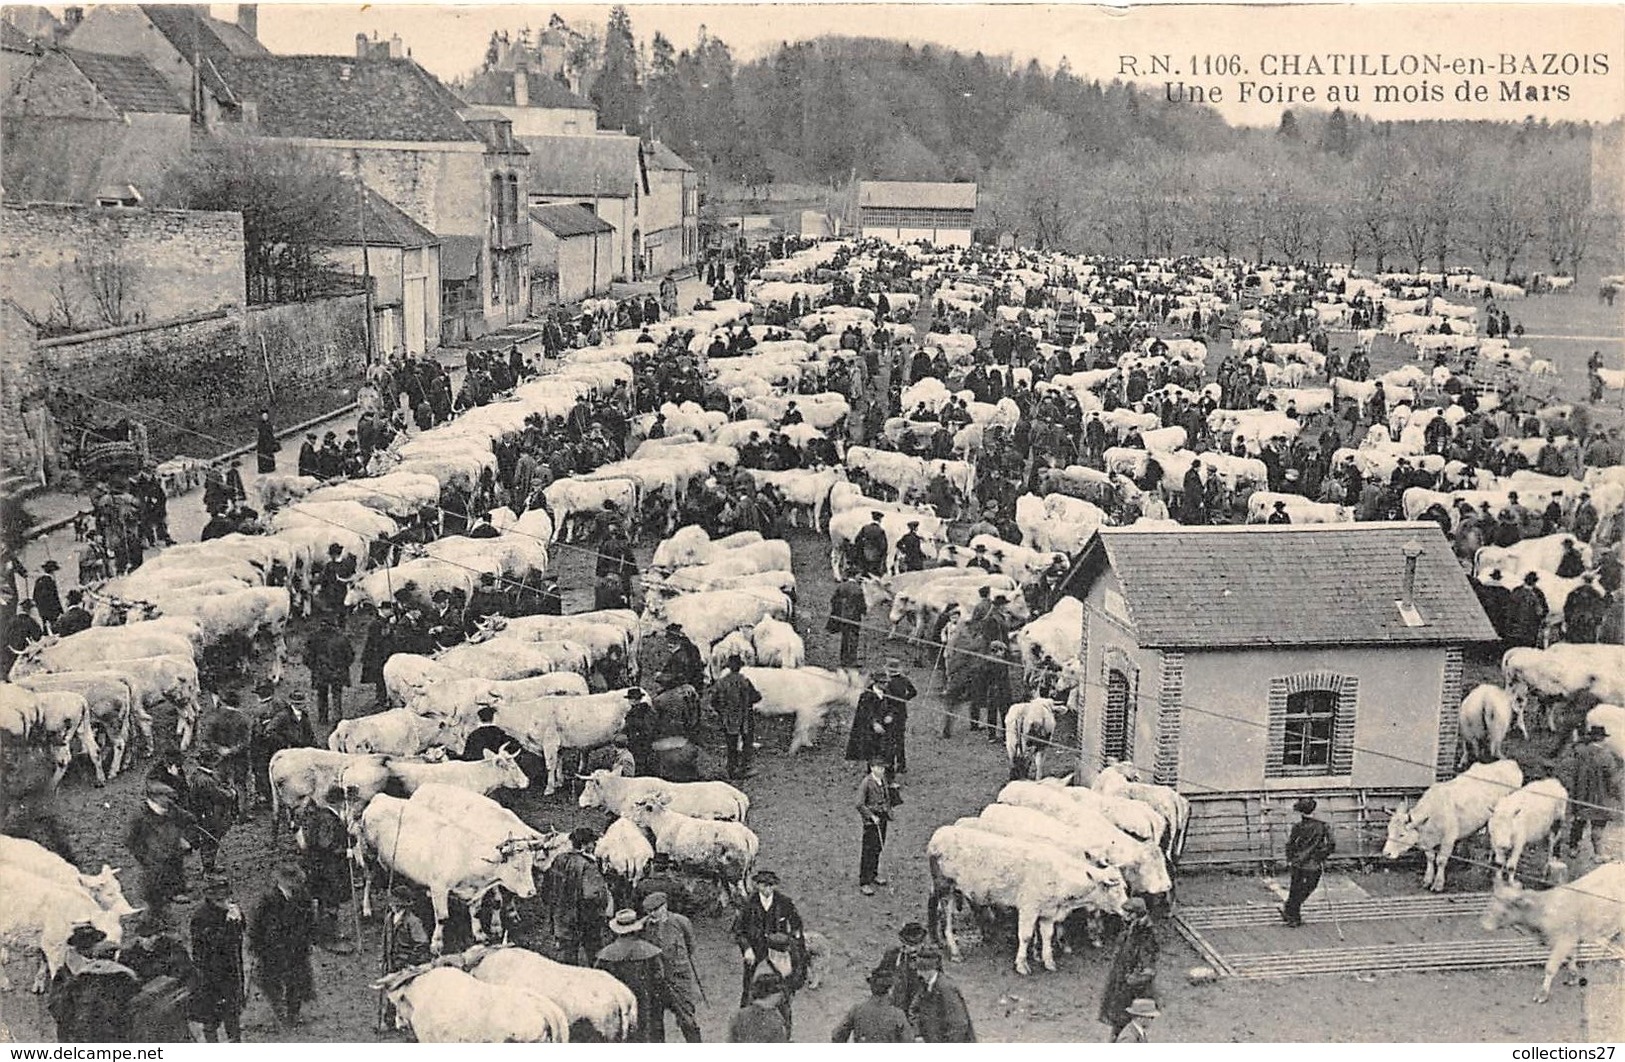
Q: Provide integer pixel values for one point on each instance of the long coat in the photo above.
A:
(1125, 980)
(638, 965)
(280, 935)
(940, 1015)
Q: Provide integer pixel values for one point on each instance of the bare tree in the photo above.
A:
(107, 277)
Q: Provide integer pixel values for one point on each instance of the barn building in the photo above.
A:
(907, 211)
(1249, 665)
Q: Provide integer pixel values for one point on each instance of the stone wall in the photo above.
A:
(197, 382)
(147, 265)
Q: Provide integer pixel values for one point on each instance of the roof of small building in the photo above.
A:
(582, 166)
(569, 219)
(128, 82)
(1287, 585)
(922, 195)
(661, 157)
(189, 30)
(387, 226)
(495, 87)
(339, 97)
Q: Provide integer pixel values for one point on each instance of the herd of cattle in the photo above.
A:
(1042, 849)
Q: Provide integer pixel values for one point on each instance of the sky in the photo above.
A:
(1199, 43)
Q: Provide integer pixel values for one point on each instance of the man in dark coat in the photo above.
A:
(673, 934)
(308, 465)
(229, 733)
(214, 806)
(578, 900)
(46, 601)
(847, 608)
(872, 545)
(767, 922)
(900, 963)
(1496, 601)
(874, 812)
(898, 691)
(641, 967)
(323, 842)
(328, 655)
(683, 666)
(760, 1019)
(1526, 612)
(1584, 611)
(266, 445)
(157, 840)
(1307, 848)
(911, 549)
(220, 990)
(1133, 967)
(877, 1020)
(378, 647)
(76, 617)
(284, 726)
(870, 723)
(1591, 773)
(279, 936)
(734, 698)
(939, 1013)
(90, 995)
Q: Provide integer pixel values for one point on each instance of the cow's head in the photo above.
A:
(1509, 906)
(648, 806)
(1148, 875)
(506, 761)
(1402, 833)
(592, 792)
(104, 887)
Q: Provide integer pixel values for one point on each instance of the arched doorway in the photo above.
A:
(1117, 725)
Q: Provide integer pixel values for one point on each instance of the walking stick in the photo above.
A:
(1331, 908)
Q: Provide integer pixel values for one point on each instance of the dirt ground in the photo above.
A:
(802, 809)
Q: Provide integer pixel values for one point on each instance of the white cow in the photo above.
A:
(806, 693)
(1534, 814)
(1449, 812)
(1590, 910)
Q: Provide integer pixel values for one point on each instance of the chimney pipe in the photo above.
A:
(396, 48)
(521, 88)
(1413, 551)
(360, 45)
(248, 19)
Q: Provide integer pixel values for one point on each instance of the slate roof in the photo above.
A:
(1287, 585)
(921, 195)
(337, 97)
(460, 257)
(661, 157)
(567, 165)
(387, 226)
(495, 87)
(565, 220)
(128, 82)
(187, 29)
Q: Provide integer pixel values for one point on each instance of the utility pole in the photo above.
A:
(366, 259)
(595, 236)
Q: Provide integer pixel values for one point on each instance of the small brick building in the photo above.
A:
(1248, 665)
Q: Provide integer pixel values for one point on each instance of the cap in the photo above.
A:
(766, 877)
(625, 921)
(50, 566)
(1304, 805)
(912, 933)
(654, 902)
(674, 628)
(297, 696)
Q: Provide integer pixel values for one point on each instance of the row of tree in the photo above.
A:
(1067, 162)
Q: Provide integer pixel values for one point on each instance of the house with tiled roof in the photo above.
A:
(938, 212)
(189, 49)
(81, 127)
(1249, 665)
(463, 180)
(671, 221)
(571, 253)
(538, 105)
(379, 240)
(604, 173)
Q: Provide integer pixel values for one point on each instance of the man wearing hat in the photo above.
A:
(1526, 612)
(406, 939)
(1133, 966)
(308, 465)
(662, 877)
(939, 1014)
(377, 646)
(877, 1020)
(764, 920)
(673, 934)
(874, 811)
(220, 990)
(897, 690)
(490, 599)
(734, 698)
(578, 900)
(157, 839)
(1584, 611)
(847, 607)
(1279, 514)
(911, 549)
(279, 936)
(979, 558)
(89, 997)
(761, 1017)
(872, 545)
(76, 617)
(213, 802)
(640, 966)
(1307, 848)
(46, 601)
(683, 666)
(1140, 1011)
(329, 656)
(1590, 772)
(899, 963)
(283, 726)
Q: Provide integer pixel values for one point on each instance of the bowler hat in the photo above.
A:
(1143, 1008)
(1304, 805)
(50, 566)
(766, 877)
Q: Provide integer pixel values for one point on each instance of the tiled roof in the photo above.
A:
(495, 87)
(925, 195)
(336, 97)
(1288, 585)
(661, 157)
(582, 166)
(188, 29)
(459, 257)
(127, 82)
(387, 226)
(569, 219)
